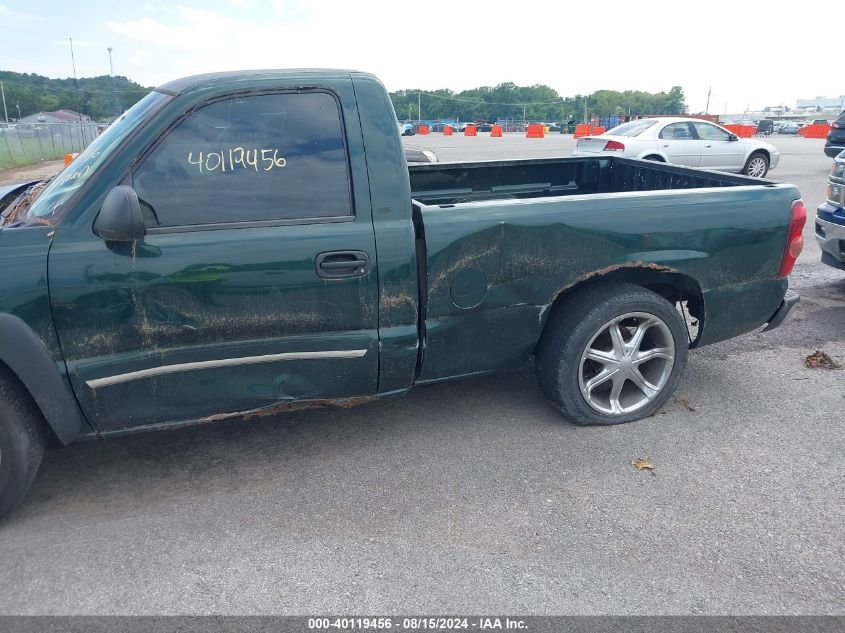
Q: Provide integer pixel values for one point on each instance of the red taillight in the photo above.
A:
(614, 146)
(794, 241)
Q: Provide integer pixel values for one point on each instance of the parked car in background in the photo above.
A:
(407, 129)
(415, 155)
(683, 141)
(789, 127)
(836, 137)
(484, 127)
(765, 127)
(830, 216)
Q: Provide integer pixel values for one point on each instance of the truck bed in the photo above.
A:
(503, 239)
(454, 183)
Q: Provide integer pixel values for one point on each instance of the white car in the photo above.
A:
(688, 142)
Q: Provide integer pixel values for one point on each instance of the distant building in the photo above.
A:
(59, 116)
(822, 103)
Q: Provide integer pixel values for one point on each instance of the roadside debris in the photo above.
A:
(643, 463)
(821, 360)
(684, 402)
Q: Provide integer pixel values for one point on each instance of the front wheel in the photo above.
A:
(757, 165)
(22, 443)
(612, 353)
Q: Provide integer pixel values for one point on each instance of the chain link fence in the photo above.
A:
(27, 143)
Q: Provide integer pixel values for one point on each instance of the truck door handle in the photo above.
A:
(342, 264)
(708, 146)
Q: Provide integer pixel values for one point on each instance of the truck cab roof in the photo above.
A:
(250, 77)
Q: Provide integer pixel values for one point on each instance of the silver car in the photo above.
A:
(683, 141)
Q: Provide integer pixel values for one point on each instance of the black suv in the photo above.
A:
(836, 137)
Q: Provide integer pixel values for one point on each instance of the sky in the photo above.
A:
(751, 57)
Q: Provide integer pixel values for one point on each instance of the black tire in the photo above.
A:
(654, 158)
(573, 325)
(751, 165)
(22, 442)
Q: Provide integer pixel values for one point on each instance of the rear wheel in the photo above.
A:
(655, 158)
(612, 353)
(757, 165)
(22, 443)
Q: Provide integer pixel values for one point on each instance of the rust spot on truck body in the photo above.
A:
(341, 403)
(601, 272)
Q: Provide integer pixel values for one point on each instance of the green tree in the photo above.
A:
(100, 98)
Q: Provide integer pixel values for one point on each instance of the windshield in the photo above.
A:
(74, 175)
(631, 128)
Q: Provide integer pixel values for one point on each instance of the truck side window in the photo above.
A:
(249, 158)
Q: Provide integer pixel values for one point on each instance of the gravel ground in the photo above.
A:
(473, 496)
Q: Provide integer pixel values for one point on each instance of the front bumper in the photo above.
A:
(790, 300)
(831, 239)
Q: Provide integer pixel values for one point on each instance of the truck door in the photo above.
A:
(677, 141)
(255, 285)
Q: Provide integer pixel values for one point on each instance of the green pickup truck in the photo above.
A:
(241, 244)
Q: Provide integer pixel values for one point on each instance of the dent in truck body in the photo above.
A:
(532, 250)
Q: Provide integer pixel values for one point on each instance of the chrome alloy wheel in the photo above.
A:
(757, 167)
(627, 363)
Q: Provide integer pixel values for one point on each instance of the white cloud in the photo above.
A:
(6, 12)
(483, 42)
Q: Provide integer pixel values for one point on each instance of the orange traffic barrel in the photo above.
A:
(582, 129)
(534, 131)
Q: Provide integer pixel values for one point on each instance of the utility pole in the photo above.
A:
(75, 82)
(111, 75)
(5, 112)
(707, 107)
(419, 108)
(523, 113)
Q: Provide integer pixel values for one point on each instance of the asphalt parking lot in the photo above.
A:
(474, 496)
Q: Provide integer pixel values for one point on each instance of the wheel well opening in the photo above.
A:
(9, 376)
(654, 157)
(763, 152)
(678, 289)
